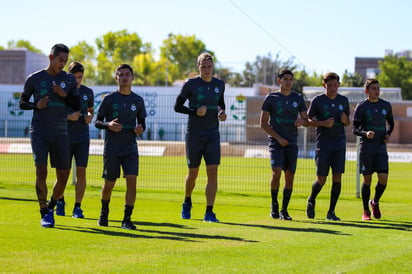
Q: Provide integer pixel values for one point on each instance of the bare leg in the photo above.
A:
(131, 182)
(80, 184)
(211, 187)
(41, 186)
(191, 181)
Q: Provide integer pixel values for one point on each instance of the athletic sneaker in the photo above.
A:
(310, 209)
(332, 217)
(104, 218)
(210, 217)
(128, 224)
(376, 213)
(284, 215)
(78, 213)
(60, 208)
(274, 210)
(366, 215)
(48, 219)
(186, 207)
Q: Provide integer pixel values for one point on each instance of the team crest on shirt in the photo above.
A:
(384, 112)
(63, 85)
(295, 104)
(340, 107)
(216, 90)
(133, 107)
(85, 98)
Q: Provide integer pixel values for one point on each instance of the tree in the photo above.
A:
(12, 44)
(249, 75)
(114, 49)
(352, 79)
(396, 72)
(181, 51)
(302, 79)
(144, 69)
(265, 69)
(86, 55)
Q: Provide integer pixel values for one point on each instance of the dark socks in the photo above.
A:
(77, 205)
(334, 195)
(52, 203)
(209, 208)
(274, 195)
(188, 200)
(105, 205)
(316, 188)
(44, 211)
(287, 193)
(128, 209)
(366, 194)
(379, 189)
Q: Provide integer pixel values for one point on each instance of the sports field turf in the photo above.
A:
(246, 241)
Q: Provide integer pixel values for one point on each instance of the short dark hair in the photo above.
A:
(124, 66)
(57, 48)
(369, 82)
(330, 76)
(284, 72)
(204, 56)
(75, 67)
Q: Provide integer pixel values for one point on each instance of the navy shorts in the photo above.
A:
(56, 146)
(80, 152)
(326, 159)
(284, 157)
(112, 164)
(373, 162)
(202, 145)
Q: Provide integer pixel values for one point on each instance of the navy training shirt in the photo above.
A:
(322, 108)
(79, 130)
(373, 116)
(202, 93)
(128, 109)
(284, 111)
(52, 120)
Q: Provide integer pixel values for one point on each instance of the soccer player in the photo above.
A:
(206, 108)
(53, 90)
(122, 114)
(370, 121)
(79, 139)
(329, 113)
(279, 119)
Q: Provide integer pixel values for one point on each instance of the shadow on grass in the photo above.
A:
(293, 229)
(377, 224)
(18, 199)
(164, 235)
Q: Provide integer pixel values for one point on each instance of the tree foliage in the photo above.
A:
(302, 79)
(396, 72)
(264, 70)
(12, 44)
(86, 55)
(114, 49)
(180, 53)
(352, 79)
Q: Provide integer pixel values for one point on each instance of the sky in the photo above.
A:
(320, 35)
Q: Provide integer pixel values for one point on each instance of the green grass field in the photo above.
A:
(246, 241)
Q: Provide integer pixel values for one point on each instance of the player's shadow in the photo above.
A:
(165, 235)
(18, 199)
(376, 224)
(292, 229)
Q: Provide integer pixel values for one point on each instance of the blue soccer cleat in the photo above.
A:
(60, 208)
(48, 220)
(186, 207)
(78, 213)
(210, 217)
